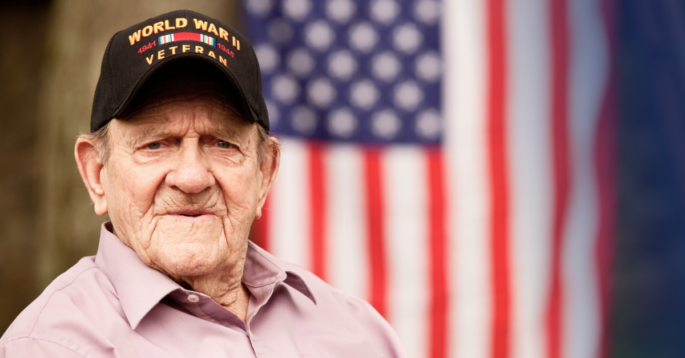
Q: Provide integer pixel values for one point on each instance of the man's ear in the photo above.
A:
(90, 166)
(269, 168)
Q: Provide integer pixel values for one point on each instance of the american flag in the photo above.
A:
(450, 162)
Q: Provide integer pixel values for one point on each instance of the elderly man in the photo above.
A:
(180, 158)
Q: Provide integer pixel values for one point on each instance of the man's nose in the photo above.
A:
(192, 174)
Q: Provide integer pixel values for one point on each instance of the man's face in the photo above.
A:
(183, 183)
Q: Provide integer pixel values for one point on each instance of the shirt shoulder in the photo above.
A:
(58, 321)
(339, 304)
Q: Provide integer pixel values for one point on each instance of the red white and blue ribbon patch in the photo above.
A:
(187, 36)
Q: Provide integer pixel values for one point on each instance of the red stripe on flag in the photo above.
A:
(260, 228)
(317, 202)
(560, 162)
(375, 228)
(497, 82)
(438, 329)
(605, 165)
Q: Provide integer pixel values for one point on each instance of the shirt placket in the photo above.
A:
(259, 297)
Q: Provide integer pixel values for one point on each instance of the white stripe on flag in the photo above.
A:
(347, 256)
(530, 169)
(588, 79)
(289, 200)
(465, 142)
(406, 208)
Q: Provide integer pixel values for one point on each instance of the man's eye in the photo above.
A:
(155, 145)
(223, 144)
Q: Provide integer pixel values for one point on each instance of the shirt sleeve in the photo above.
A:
(37, 348)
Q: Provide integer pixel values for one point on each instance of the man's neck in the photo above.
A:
(225, 288)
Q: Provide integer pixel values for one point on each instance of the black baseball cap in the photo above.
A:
(133, 55)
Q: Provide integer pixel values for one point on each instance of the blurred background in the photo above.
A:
(50, 55)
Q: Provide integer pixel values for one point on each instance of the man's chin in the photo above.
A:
(188, 246)
(181, 229)
(188, 260)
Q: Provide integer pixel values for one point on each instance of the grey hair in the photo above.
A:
(101, 139)
(264, 143)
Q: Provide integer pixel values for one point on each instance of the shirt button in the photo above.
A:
(193, 298)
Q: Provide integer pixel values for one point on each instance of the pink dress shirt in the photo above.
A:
(113, 305)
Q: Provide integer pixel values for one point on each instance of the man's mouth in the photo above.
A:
(190, 213)
(193, 214)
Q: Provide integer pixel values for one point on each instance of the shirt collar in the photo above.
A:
(140, 287)
(262, 268)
